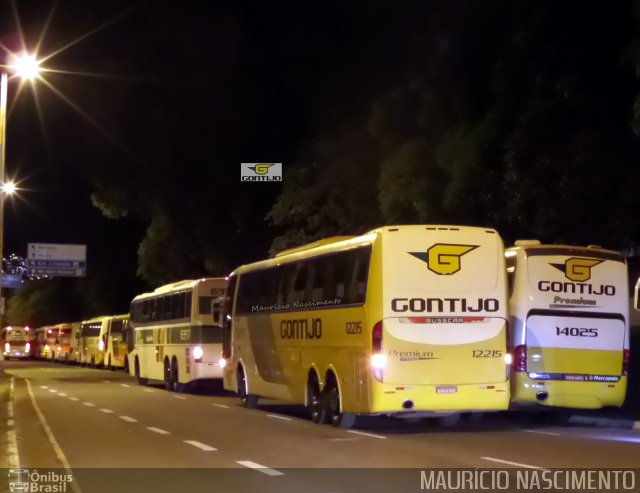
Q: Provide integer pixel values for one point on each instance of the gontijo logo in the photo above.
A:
(261, 171)
(444, 258)
(577, 269)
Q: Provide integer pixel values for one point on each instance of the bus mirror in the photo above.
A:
(636, 297)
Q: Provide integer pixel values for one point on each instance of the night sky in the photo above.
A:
(386, 112)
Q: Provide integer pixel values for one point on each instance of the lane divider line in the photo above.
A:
(284, 418)
(221, 405)
(543, 433)
(43, 387)
(148, 390)
(106, 381)
(125, 385)
(106, 411)
(260, 468)
(179, 397)
(88, 404)
(201, 446)
(53, 390)
(372, 435)
(158, 430)
(517, 464)
(73, 399)
(52, 439)
(128, 419)
(61, 394)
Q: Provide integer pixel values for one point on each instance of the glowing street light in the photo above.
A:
(24, 67)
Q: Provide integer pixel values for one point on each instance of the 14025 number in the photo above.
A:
(576, 332)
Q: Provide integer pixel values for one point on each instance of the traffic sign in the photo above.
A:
(11, 281)
(56, 260)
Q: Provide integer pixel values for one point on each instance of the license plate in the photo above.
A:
(446, 389)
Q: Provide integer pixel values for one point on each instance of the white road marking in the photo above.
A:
(284, 418)
(543, 433)
(52, 439)
(89, 404)
(148, 390)
(13, 457)
(260, 468)
(517, 464)
(61, 394)
(201, 446)
(125, 385)
(43, 387)
(74, 398)
(158, 430)
(106, 381)
(106, 411)
(341, 439)
(221, 405)
(129, 419)
(372, 435)
(53, 390)
(179, 397)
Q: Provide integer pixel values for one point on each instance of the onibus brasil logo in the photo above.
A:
(577, 269)
(444, 258)
(261, 171)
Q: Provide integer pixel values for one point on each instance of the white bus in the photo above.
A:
(116, 348)
(406, 321)
(175, 339)
(569, 325)
(16, 342)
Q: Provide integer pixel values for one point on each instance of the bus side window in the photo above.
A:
(317, 279)
(300, 283)
(285, 284)
(187, 304)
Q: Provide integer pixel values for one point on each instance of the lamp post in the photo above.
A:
(26, 67)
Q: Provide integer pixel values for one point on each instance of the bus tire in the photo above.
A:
(248, 401)
(93, 362)
(315, 408)
(332, 405)
(141, 381)
(126, 364)
(449, 419)
(168, 373)
(177, 387)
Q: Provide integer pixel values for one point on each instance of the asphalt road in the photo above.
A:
(114, 435)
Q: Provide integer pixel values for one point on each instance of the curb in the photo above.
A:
(627, 424)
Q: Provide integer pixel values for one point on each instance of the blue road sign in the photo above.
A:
(56, 264)
(11, 281)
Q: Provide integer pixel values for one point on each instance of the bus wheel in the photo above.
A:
(249, 401)
(93, 362)
(109, 367)
(179, 388)
(126, 364)
(315, 408)
(141, 381)
(332, 407)
(168, 384)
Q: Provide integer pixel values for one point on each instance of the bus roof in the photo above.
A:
(339, 243)
(177, 286)
(542, 249)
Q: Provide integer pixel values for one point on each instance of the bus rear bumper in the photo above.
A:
(205, 370)
(562, 393)
(396, 399)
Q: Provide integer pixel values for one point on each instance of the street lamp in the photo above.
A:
(24, 67)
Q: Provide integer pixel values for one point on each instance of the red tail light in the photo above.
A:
(27, 347)
(376, 338)
(7, 347)
(520, 358)
(626, 354)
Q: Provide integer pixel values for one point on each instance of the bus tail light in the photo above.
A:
(520, 358)
(198, 353)
(378, 359)
(101, 345)
(222, 362)
(7, 347)
(27, 347)
(626, 354)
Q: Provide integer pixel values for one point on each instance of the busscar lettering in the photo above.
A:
(577, 288)
(444, 305)
(301, 329)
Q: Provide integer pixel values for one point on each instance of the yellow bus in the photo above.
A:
(92, 342)
(61, 350)
(116, 351)
(406, 321)
(569, 325)
(15, 342)
(174, 338)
